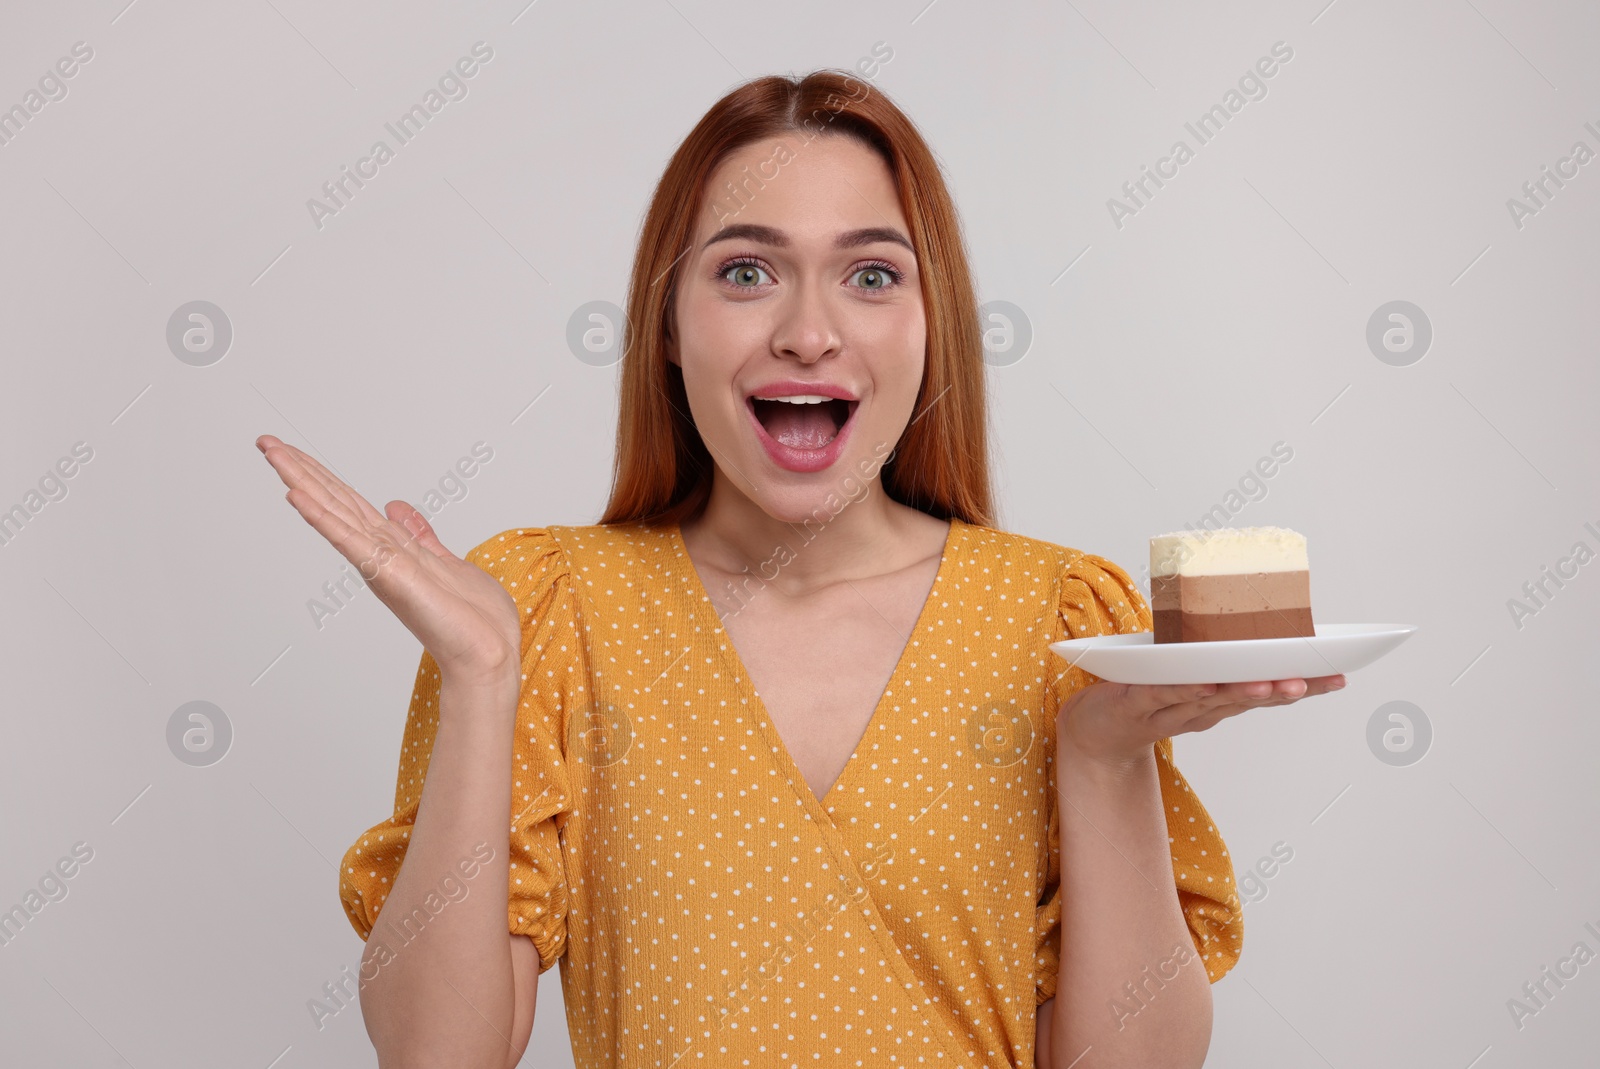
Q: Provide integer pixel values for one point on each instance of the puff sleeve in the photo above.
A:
(530, 565)
(1098, 598)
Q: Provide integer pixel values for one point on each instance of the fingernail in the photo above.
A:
(1337, 684)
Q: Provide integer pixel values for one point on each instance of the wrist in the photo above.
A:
(482, 683)
(1110, 767)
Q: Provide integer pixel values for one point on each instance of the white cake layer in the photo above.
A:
(1229, 551)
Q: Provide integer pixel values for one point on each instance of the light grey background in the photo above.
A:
(1168, 355)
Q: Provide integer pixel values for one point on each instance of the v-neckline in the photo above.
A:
(702, 605)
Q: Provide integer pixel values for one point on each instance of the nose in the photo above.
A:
(806, 328)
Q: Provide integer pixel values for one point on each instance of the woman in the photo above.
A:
(781, 735)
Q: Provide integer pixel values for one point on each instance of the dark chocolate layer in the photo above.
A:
(1173, 625)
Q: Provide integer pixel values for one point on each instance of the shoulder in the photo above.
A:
(515, 550)
(523, 558)
(1070, 563)
(1094, 593)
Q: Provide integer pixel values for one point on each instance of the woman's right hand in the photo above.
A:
(460, 613)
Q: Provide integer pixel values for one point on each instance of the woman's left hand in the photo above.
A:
(1117, 723)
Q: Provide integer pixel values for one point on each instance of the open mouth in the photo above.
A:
(802, 425)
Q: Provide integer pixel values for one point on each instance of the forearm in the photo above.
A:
(1132, 990)
(437, 986)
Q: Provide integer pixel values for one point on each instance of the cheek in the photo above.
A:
(899, 345)
(715, 333)
(711, 346)
(905, 332)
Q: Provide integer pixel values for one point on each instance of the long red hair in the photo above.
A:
(662, 470)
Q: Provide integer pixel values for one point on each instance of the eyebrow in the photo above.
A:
(769, 235)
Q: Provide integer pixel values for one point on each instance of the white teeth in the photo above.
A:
(799, 399)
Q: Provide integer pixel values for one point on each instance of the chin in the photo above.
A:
(830, 494)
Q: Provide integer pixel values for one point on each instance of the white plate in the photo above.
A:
(1136, 658)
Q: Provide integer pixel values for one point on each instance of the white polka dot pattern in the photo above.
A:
(704, 905)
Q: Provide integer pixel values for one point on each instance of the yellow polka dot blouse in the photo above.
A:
(705, 906)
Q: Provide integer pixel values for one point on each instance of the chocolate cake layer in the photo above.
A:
(1172, 625)
(1210, 608)
(1245, 592)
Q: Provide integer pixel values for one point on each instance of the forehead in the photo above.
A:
(811, 189)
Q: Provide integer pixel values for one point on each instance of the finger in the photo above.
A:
(1178, 719)
(1324, 684)
(1283, 691)
(333, 488)
(1234, 698)
(333, 494)
(1315, 686)
(354, 544)
(417, 529)
(1249, 690)
(1148, 697)
(1215, 717)
(417, 526)
(1194, 699)
(1272, 691)
(1230, 699)
(297, 477)
(337, 487)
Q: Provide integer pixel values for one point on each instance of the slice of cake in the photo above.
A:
(1233, 583)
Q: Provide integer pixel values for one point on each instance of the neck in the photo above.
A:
(834, 537)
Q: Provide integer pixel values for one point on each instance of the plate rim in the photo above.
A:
(1144, 639)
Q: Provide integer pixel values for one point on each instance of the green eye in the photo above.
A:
(746, 275)
(879, 276)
